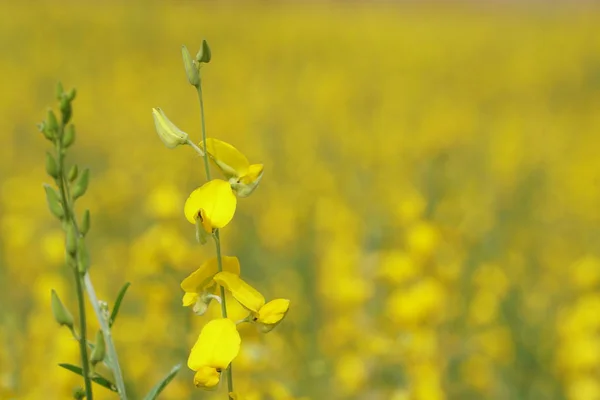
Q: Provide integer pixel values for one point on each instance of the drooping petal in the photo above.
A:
(189, 299)
(247, 183)
(207, 378)
(245, 294)
(226, 157)
(202, 277)
(272, 313)
(217, 345)
(216, 199)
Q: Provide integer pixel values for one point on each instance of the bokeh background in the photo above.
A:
(430, 204)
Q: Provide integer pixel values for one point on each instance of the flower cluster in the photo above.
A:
(210, 208)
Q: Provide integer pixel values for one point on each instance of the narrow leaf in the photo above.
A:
(115, 311)
(96, 378)
(160, 386)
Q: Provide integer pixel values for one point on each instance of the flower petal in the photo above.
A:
(216, 199)
(247, 183)
(189, 299)
(226, 157)
(217, 345)
(202, 277)
(207, 378)
(272, 313)
(245, 294)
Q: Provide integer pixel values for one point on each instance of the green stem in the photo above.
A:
(216, 235)
(85, 281)
(85, 364)
(206, 167)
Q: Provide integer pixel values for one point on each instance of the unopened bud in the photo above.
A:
(204, 55)
(99, 349)
(54, 203)
(80, 186)
(83, 257)
(73, 172)
(51, 166)
(191, 69)
(69, 136)
(60, 312)
(170, 134)
(71, 239)
(85, 223)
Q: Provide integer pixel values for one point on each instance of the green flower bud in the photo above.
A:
(65, 109)
(171, 135)
(99, 349)
(73, 172)
(71, 239)
(80, 186)
(52, 123)
(69, 136)
(204, 55)
(59, 91)
(71, 95)
(78, 393)
(54, 203)
(51, 166)
(60, 312)
(85, 223)
(83, 257)
(191, 68)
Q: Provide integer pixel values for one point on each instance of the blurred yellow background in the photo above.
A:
(430, 202)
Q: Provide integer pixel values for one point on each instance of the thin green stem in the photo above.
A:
(85, 281)
(216, 235)
(206, 167)
(83, 350)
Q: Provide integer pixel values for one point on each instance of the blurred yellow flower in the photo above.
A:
(199, 286)
(170, 134)
(268, 315)
(212, 205)
(243, 176)
(217, 345)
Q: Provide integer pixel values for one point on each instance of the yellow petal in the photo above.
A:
(189, 299)
(226, 157)
(202, 277)
(207, 378)
(271, 314)
(247, 183)
(217, 345)
(245, 294)
(217, 201)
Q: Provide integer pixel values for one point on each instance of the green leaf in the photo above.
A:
(96, 378)
(160, 386)
(115, 311)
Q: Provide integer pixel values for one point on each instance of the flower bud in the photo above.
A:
(99, 349)
(71, 240)
(69, 136)
(80, 186)
(73, 172)
(171, 135)
(60, 312)
(204, 55)
(83, 257)
(51, 166)
(54, 203)
(85, 223)
(191, 69)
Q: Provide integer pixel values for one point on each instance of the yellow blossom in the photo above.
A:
(243, 176)
(217, 345)
(268, 315)
(199, 286)
(212, 205)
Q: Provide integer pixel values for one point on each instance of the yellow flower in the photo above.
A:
(243, 176)
(268, 315)
(199, 286)
(170, 134)
(217, 345)
(211, 206)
